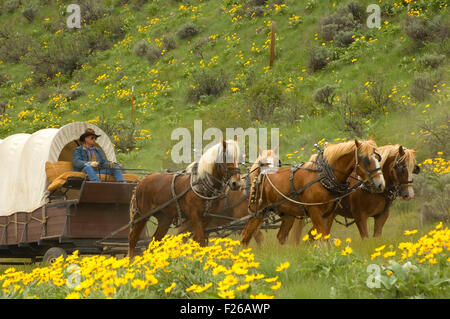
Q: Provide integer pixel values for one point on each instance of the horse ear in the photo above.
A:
(357, 143)
(401, 151)
(415, 149)
(224, 144)
(370, 138)
(275, 150)
(259, 150)
(236, 139)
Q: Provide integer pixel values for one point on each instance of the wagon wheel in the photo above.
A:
(53, 253)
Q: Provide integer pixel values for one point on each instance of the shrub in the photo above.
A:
(342, 20)
(13, 45)
(42, 95)
(3, 78)
(207, 83)
(435, 132)
(74, 94)
(263, 97)
(350, 115)
(343, 38)
(255, 11)
(11, 5)
(187, 30)
(153, 54)
(29, 12)
(63, 55)
(440, 28)
(324, 95)
(169, 42)
(434, 194)
(123, 133)
(3, 106)
(431, 60)
(328, 31)
(258, 2)
(92, 10)
(417, 29)
(141, 48)
(318, 58)
(378, 93)
(423, 84)
(357, 11)
(103, 33)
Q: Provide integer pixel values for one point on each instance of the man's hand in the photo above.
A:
(94, 164)
(111, 164)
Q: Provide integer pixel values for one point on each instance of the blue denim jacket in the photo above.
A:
(81, 157)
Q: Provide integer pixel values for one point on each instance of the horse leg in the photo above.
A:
(197, 227)
(285, 227)
(249, 229)
(329, 223)
(380, 220)
(296, 230)
(133, 236)
(315, 214)
(259, 237)
(361, 222)
(164, 221)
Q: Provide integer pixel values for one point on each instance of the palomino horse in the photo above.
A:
(187, 195)
(398, 165)
(296, 190)
(234, 204)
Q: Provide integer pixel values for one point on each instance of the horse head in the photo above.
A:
(229, 166)
(403, 169)
(368, 163)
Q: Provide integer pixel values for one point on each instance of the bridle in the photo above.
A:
(209, 183)
(366, 162)
(399, 167)
(365, 168)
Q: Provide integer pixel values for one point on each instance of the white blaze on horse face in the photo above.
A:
(378, 179)
(270, 163)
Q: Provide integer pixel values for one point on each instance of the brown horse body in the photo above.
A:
(235, 204)
(157, 189)
(398, 164)
(344, 158)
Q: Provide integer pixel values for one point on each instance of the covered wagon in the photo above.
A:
(46, 209)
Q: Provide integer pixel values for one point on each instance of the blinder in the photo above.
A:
(366, 162)
(399, 170)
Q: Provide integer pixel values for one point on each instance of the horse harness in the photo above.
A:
(392, 190)
(325, 176)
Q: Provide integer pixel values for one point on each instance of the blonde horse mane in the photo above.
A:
(387, 151)
(334, 151)
(215, 155)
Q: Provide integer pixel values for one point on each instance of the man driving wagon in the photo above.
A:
(89, 159)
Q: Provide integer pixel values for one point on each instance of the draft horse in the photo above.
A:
(184, 195)
(234, 204)
(398, 166)
(313, 188)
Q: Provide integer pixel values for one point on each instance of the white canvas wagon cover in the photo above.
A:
(23, 182)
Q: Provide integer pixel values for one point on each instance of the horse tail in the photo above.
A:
(133, 204)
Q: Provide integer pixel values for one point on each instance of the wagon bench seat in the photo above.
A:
(58, 173)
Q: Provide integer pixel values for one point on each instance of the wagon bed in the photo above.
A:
(69, 224)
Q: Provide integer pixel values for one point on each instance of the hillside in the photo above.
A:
(333, 78)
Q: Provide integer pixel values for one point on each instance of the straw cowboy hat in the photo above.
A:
(88, 132)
